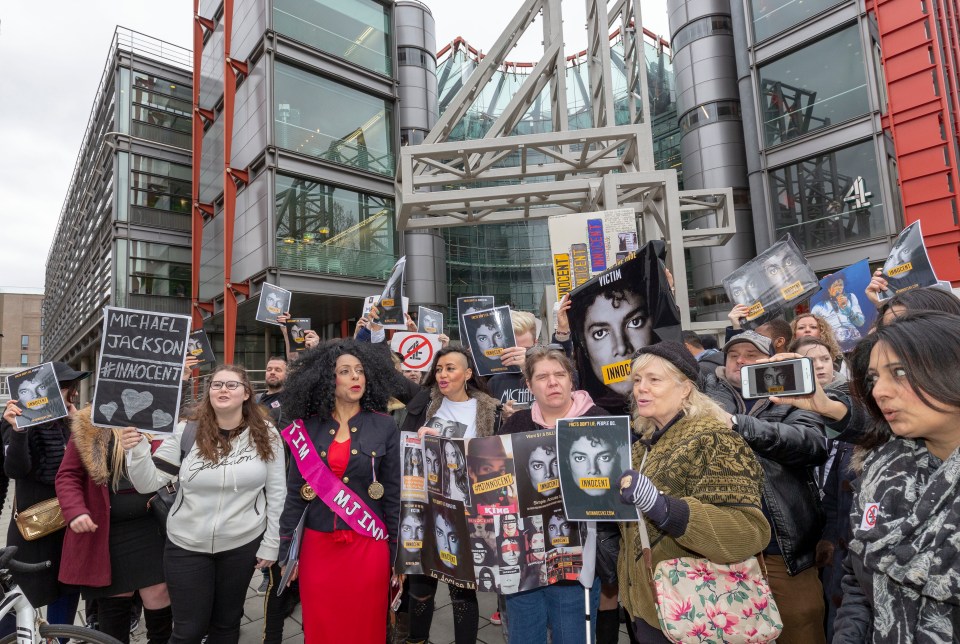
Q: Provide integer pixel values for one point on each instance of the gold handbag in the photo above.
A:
(40, 519)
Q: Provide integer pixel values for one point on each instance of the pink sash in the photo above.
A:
(328, 487)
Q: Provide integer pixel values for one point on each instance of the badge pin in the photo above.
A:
(870, 513)
(307, 493)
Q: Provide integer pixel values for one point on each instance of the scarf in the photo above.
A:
(913, 549)
(581, 403)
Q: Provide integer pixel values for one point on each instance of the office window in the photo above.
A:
(161, 110)
(701, 28)
(160, 184)
(770, 17)
(321, 118)
(24, 342)
(823, 84)
(325, 229)
(355, 30)
(159, 269)
(830, 199)
(24, 359)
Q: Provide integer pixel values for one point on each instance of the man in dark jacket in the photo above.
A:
(790, 443)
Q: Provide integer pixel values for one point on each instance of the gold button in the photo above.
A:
(373, 453)
(332, 432)
(353, 429)
(346, 479)
(323, 454)
(353, 451)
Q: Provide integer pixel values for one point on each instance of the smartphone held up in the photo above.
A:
(785, 378)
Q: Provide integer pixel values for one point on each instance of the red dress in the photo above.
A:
(344, 578)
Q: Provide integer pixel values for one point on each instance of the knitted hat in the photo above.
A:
(676, 354)
(761, 342)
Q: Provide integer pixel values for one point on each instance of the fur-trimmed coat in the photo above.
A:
(83, 487)
(425, 405)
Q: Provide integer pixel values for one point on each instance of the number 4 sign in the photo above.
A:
(417, 350)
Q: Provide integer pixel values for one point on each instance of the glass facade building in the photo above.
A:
(511, 261)
(123, 238)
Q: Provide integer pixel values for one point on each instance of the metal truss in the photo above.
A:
(504, 177)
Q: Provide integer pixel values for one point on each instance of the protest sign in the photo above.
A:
(488, 334)
(274, 301)
(593, 453)
(777, 278)
(429, 321)
(615, 313)
(38, 395)
(585, 244)
(839, 303)
(469, 529)
(296, 329)
(198, 346)
(908, 264)
(471, 304)
(416, 349)
(392, 306)
(140, 369)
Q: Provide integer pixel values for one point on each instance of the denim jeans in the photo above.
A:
(559, 609)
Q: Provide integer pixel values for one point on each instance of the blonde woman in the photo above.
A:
(109, 523)
(699, 489)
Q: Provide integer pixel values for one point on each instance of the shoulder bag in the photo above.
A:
(699, 601)
(162, 501)
(40, 519)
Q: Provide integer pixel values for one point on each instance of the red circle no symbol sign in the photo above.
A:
(417, 352)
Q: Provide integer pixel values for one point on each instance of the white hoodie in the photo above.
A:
(219, 506)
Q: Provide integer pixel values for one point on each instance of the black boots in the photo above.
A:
(113, 614)
(159, 624)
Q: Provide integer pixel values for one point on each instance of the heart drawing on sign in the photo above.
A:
(161, 419)
(108, 410)
(135, 401)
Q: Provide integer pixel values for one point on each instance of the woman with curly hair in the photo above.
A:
(452, 392)
(814, 326)
(225, 520)
(339, 390)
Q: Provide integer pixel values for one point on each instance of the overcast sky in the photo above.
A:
(50, 69)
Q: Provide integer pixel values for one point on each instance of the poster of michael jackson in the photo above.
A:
(908, 264)
(488, 334)
(484, 539)
(390, 306)
(777, 278)
(617, 312)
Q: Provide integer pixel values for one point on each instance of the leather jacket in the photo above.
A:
(374, 442)
(790, 443)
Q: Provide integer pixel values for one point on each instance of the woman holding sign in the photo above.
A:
(453, 393)
(557, 608)
(696, 483)
(225, 520)
(344, 485)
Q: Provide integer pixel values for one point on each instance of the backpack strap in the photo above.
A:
(188, 438)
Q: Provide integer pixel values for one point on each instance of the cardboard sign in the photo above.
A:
(198, 346)
(908, 264)
(391, 306)
(38, 395)
(417, 349)
(585, 244)
(842, 302)
(488, 334)
(140, 369)
(429, 321)
(296, 329)
(777, 278)
(593, 453)
(461, 522)
(274, 301)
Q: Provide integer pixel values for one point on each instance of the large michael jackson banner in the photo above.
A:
(485, 513)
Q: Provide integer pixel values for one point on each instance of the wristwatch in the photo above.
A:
(733, 421)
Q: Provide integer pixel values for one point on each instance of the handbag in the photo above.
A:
(162, 502)
(40, 519)
(699, 601)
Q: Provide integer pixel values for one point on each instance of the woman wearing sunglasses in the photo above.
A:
(225, 520)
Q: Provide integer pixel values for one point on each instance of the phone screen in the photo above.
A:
(786, 378)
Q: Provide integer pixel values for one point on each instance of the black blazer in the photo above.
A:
(373, 436)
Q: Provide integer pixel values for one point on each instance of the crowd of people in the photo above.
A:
(846, 498)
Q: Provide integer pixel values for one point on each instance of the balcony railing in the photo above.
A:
(333, 260)
(157, 303)
(159, 218)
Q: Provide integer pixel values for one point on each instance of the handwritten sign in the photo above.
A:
(140, 369)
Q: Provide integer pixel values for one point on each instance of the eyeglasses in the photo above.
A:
(544, 347)
(217, 385)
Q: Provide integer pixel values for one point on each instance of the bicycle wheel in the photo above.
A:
(53, 632)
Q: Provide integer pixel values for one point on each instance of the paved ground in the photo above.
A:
(251, 628)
